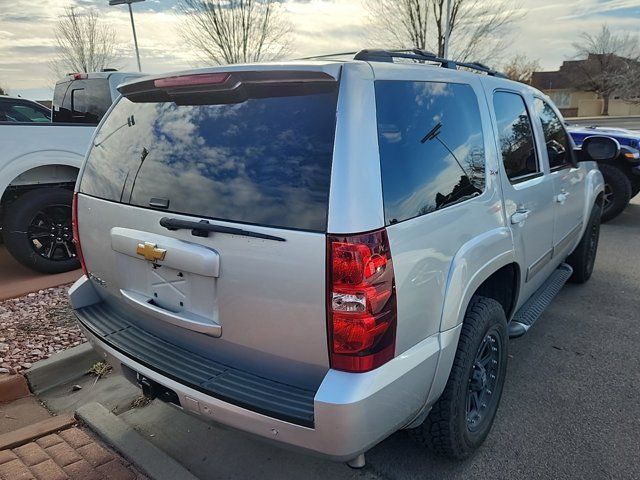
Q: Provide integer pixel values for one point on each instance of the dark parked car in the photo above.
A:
(621, 175)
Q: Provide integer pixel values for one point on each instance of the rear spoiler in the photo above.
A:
(228, 87)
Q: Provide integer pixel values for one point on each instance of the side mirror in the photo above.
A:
(598, 148)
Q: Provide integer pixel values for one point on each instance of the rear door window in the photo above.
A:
(556, 137)
(431, 146)
(516, 137)
(264, 161)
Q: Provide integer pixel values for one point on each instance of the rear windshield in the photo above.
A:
(264, 161)
(81, 101)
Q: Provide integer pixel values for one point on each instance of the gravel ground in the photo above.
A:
(34, 327)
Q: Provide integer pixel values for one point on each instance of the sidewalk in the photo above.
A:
(17, 280)
(36, 445)
(70, 454)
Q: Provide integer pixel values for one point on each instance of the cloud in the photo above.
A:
(320, 26)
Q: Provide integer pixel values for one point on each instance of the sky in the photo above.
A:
(27, 28)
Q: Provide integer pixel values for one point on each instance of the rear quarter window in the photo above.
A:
(431, 146)
(264, 161)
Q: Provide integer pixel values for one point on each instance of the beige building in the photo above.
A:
(573, 102)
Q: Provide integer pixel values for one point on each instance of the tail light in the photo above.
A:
(361, 310)
(76, 236)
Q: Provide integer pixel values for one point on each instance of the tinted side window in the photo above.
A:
(85, 101)
(431, 146)
(555, 136)
(515, 135)
(31, 114)
(22, 112)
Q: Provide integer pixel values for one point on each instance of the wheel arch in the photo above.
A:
(594, 196)
(38, 176)
(480, 263)
(479, 267)
(42, 167)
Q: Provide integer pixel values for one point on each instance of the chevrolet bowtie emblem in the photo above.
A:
(150, 251)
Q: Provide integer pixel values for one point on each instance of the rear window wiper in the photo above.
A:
(203, 228)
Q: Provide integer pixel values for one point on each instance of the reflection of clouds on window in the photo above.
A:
(426, 93)
(390, 133)
(262, 161)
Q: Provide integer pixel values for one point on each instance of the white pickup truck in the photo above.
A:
(39, 163)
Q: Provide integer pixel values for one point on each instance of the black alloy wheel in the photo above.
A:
(50, 233)
(592, 248)
(37, 230)
(483, 380)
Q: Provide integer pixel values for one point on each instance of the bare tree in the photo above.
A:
(610, 63)
(520, 68)
(83, 42)
(234, 31)
(401, 23)
(477, 27)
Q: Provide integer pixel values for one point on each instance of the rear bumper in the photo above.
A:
(351, 412)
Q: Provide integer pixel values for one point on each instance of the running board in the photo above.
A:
(533, 308)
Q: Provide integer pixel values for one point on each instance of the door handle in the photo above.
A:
(520, 216)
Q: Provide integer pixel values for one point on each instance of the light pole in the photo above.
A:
(447, 31)
(133, 25)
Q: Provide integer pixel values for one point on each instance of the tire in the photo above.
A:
(583, 257)
(451, 429)
(635, 186)
(617, 192)
(37, 230)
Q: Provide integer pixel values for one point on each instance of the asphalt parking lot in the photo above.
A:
(570, 407)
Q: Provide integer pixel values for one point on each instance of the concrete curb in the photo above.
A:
(26, 434)
(131, 445)
(13, 387)
(61, 368)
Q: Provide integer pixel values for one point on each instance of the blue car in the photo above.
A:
(622, 175)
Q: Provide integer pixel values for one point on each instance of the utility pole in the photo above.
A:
(133, 25)
(447, 31)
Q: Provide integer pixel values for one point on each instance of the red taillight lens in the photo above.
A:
(191, 80)
(76, 236)
(361, 306)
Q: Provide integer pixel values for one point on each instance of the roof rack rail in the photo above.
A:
(327, 55)
(423, 56)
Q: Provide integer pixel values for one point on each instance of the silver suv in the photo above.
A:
(324, 252)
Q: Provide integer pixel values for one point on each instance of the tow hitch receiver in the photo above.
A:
(152, 390)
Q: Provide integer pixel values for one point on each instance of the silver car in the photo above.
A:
(323, 252)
